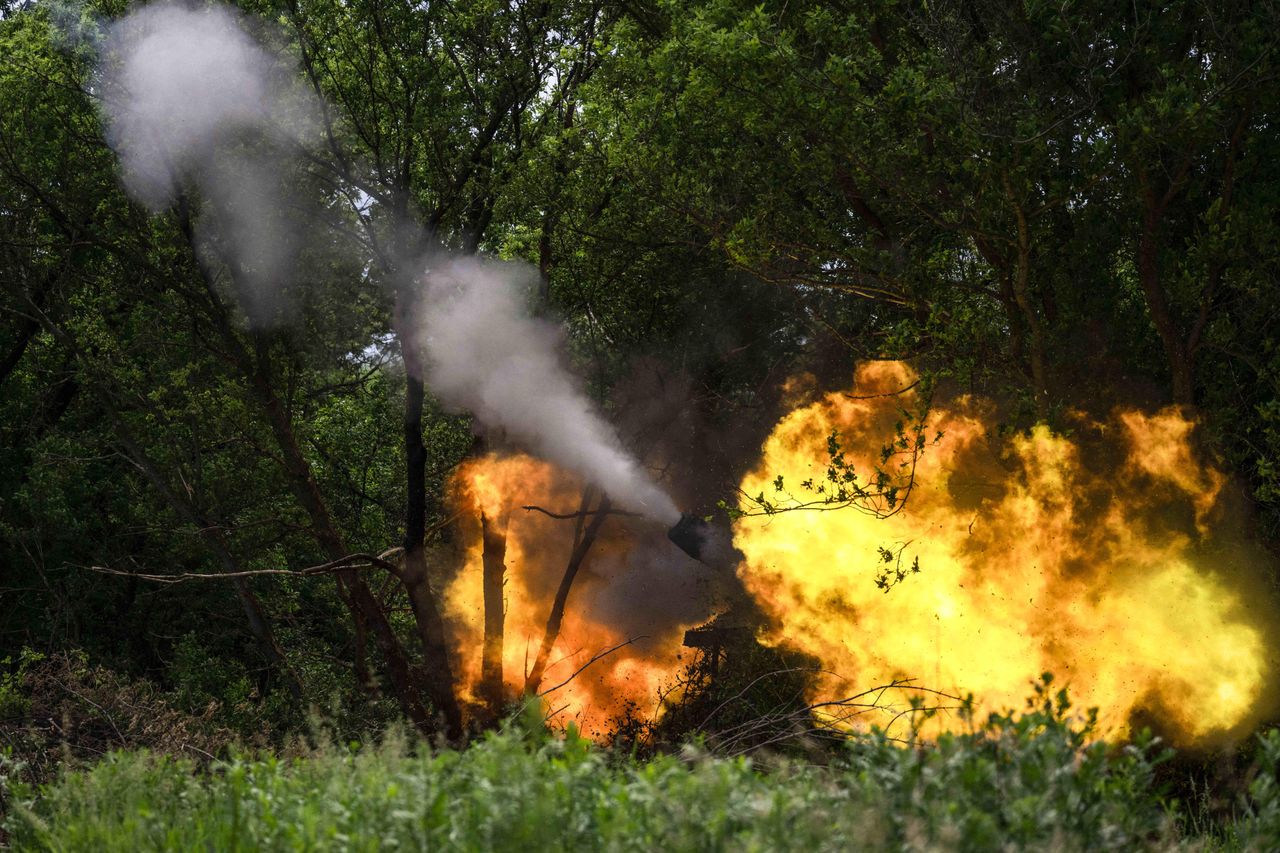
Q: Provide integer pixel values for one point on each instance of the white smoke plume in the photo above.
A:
(486, 353)
(193, 101)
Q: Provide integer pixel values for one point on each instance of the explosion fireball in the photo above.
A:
(1093, 556)
(1089, 557)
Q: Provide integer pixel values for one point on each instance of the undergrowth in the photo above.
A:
(1035, 780)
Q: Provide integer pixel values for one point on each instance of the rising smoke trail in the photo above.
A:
(488, 355)
(193, 99)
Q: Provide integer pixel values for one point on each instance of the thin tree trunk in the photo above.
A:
(422, 599)
(494, 567)
(1009, 302)
(1022, 295)
(365, 607)
(352, 588)
(581, 545)
(435, 650)
(259, 626)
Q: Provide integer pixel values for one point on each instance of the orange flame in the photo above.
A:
(537, 552)
(1048, 557)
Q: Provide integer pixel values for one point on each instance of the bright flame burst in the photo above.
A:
(1083, 557)
(1090, 556)
(537, 551)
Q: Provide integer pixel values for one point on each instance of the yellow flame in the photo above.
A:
(1030, 562)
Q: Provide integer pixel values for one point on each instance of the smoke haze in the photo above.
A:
(191, 99)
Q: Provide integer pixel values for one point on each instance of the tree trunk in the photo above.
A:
(1022, 295)
(1008, 302)
(494, 536)
(1175, 350)
(365, 607)
(435, 650)
(352, 589)
(582, 542)
(259, 626)
(422, 600)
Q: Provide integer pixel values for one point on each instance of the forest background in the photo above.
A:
(1062, 208)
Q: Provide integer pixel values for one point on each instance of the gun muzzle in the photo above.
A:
(690, 535)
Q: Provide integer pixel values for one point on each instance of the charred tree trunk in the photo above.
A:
(435, 651)
(494, 536)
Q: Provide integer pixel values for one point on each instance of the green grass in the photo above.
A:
(1026, 782)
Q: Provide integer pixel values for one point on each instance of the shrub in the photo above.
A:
(69, 711)
(14, 702)
(1028, 781)
(1259, 829)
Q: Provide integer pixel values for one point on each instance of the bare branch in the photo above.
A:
(351, 561)
(581, 513)
(594, 658)
(904, 389)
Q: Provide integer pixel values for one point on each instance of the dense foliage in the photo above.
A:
(1063, 206)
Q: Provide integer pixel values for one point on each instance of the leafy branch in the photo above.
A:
(882, 492)
(890, 572)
